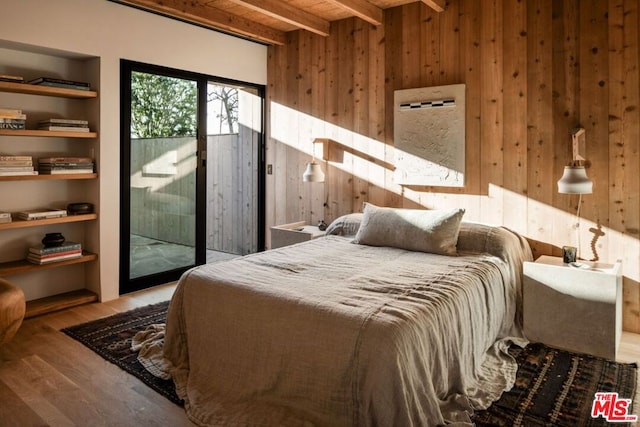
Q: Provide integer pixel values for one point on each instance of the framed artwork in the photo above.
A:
(429, 136)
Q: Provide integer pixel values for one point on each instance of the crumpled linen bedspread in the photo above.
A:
(149, 343)
(332, 333)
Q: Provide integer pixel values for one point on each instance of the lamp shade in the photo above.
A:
(313, 173)
(575, 181)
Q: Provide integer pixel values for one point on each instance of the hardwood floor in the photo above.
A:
(47, 378)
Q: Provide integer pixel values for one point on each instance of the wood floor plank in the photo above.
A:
(68, 384)
(33, 387)
(14, 411)
(79, 363)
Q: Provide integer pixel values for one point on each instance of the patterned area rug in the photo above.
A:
(553, 387)
(111, 336)
(557, 388)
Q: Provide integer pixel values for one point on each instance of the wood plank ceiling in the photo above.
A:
(267, 21)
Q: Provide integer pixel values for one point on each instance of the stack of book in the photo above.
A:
(11, 78)
(45, 254)
(42, 213)
(16, 165)
(66, 125)
(12, 119)
(62, 83)
(65, 165)
(5, 217)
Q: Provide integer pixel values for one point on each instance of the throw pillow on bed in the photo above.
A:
(346, 225)
(435, 231)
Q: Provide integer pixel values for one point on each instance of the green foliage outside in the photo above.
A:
(162, 106)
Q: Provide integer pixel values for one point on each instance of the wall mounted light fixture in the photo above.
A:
(575, 181)
(313, 173)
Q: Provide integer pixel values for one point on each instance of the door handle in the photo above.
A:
(203, 158)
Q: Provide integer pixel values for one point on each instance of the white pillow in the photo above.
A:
(346, 225)
(434, 231)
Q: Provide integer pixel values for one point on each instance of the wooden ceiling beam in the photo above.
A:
(437, 5)
(289, 14)
(362, 9)
(207, 16)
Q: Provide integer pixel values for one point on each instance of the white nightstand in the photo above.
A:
(296, 232)
(576, 309)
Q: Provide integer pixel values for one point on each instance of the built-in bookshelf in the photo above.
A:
(24, 266)
(47, 133)
(48, 177)
(17, 223)
(46, 90)
(17, 139)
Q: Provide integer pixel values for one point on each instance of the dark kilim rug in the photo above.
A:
(111, 336)
(557, 388)
(553, 387)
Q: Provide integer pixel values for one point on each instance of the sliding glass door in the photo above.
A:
(234, 143)
(191, 190)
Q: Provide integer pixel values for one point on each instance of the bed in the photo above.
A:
(344, 332)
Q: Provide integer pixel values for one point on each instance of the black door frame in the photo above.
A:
(202, 80)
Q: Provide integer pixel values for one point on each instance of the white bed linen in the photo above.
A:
(331, 333)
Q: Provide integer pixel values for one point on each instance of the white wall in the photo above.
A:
(112, 32)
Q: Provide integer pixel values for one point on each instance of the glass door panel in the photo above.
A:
(234, 132)
(163, 166)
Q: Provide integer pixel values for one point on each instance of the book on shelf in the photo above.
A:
(65, 166)
(11, 168)
(17, 173)
(60, 83)
(54, 160)
(35, 259)
(57, 128)
(54, 254)
(64, 247)
(4, 163)
(65, 171)
(65, 122)
(16, 165)
(64, 86)
(69, 125)
(43, 213)
(5, 217)
(11, 113)
(14, 158)
(11, 78)
(13, 125)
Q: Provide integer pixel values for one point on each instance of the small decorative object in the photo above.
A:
(569, 254)
(79, 208)
(53, 239)
(322, 225)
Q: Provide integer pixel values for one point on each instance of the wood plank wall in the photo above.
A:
(534, 70)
